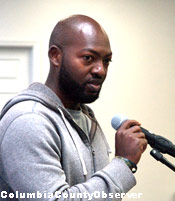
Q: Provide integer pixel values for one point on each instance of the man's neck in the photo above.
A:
(67, 102)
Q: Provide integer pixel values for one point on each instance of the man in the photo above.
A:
(52, 147)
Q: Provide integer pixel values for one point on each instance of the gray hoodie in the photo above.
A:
(45, 155)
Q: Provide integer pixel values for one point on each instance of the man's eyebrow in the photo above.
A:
(95, 52)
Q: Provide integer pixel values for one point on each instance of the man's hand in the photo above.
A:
(130, 142)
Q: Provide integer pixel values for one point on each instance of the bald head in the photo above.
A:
(71, 29)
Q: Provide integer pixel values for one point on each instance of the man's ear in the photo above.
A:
(55, 55)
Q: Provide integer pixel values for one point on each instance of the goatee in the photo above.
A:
(72, 89)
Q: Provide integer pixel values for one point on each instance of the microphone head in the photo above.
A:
(117, 120)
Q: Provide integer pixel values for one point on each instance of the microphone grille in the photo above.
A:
(117, 120)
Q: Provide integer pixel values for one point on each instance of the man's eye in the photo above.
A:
(107, 60)
(88, 58)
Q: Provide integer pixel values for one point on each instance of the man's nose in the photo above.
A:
(99, 70)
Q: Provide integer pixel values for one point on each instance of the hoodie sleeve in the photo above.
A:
(31, 157)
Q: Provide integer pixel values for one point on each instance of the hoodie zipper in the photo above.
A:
(93, 158)
(76, 145)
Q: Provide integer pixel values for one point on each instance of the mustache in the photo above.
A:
(95, 81)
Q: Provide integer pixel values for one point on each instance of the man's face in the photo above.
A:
(84, 68)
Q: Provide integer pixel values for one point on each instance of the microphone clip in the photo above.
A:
(159, 157)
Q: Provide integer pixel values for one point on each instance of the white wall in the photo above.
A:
(141, 78)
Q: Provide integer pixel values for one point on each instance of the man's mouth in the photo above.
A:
(94, 85)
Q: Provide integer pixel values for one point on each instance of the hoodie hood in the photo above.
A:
(36, 92)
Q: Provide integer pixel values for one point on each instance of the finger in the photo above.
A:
(129, 123)
(135, 129)
(143, 145)
(139, 135)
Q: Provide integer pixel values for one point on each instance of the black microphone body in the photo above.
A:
(155, 141)
(160, 143)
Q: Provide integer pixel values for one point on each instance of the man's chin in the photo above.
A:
(89, 98)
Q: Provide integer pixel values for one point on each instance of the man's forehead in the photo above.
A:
(86, 29)
(87, 34)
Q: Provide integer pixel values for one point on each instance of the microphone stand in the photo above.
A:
(159, 157)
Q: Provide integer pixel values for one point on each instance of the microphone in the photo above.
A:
(155, 141)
